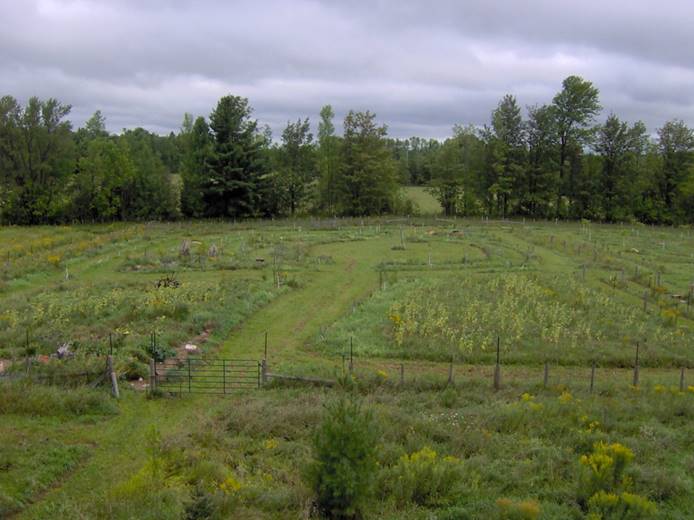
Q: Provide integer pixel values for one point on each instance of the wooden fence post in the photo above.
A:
(263, 371)
(27, 353)
(111, 375)
(546, 378)
(497, 368)
(351, 355)
(152, 376)
(402, 373)
(592, 377)
(450, 373)
(636, 366)
(682, 379)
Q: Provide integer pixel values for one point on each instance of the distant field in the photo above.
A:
(425, 201)
(409, 298)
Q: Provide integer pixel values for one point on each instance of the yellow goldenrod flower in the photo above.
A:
(565, 397)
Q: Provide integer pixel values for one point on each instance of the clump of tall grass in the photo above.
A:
(26, 398)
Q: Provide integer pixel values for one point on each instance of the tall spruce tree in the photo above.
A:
(232, 187)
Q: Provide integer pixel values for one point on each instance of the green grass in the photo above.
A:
(425, 202)
(34, 455)
(340, 279)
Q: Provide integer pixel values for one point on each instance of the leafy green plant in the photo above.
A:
(344, 465)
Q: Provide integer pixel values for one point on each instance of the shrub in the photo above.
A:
(344, 465)
(603, 470)
(602, 487)
(625, 506)
(423, 478)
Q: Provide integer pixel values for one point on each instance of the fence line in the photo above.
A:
(221, 376)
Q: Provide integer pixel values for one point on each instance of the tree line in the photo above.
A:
(557, 162)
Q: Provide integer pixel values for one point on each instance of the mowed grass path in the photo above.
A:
(119, 443)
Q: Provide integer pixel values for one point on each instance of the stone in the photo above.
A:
(63, 351)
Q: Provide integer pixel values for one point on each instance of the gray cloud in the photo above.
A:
(421, 66)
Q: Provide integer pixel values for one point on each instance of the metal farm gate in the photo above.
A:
(206, 375)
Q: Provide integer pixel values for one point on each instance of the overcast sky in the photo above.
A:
(421, 66)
